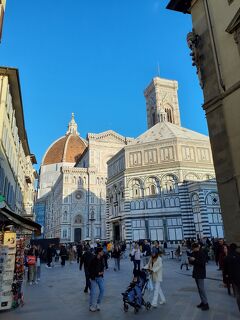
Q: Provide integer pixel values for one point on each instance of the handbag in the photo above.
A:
(31, 260)
(132, 257)
(150, 285)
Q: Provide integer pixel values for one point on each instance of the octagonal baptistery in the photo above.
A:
(65, 151)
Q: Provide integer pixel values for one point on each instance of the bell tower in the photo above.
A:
(162, 102)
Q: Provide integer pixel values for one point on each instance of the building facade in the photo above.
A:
(2, 13)
(161, 185)
(17, 174)
(72, 184)
(215, 45)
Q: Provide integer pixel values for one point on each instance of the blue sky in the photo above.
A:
(95, 58)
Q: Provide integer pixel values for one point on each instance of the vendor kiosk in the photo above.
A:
(12, 245)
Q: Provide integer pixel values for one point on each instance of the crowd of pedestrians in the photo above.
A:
(227, 259)
(93, 258)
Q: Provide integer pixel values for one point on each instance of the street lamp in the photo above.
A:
(92, 219)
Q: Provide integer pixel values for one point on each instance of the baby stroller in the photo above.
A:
(133, 296)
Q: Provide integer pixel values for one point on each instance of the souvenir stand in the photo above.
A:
(15, 233)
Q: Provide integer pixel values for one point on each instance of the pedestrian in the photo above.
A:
(71, 254)
(49, 256)
(232, 270)
(96, 271)
(155, 268)
(146, 249)
(106, 255)
(198, 260)
(38, 266)
(184, 258)
(63, 255)
(32, 265)
(116, 254)
(79, 252)
(178, 253)
(85, 261)
(225, 280)
(136, 258)
(220, 253)
(123, 249)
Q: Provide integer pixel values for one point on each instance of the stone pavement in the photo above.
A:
(60, 296)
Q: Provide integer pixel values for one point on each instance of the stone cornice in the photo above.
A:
(173, 164)
(109, 134)
(74, 170)
(216, 102)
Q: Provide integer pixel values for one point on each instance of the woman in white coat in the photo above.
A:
(155, 267)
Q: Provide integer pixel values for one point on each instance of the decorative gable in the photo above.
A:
(109, 136)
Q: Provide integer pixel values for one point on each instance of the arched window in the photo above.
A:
(207, 177)
(159, 203)
(169, 184)
(152, 189)
(137, 205)
(169, 115)
(65, 216)
(136, 189)
(191, 177)
(78, 219)
(149, 204)
(195, 200)
(80, 181)
(152, 186)
(172, 202)
(142, 204)
(154, 204)
(177, 202)
(212, 199)
(167, 203)
(132, 205)
(74, 180)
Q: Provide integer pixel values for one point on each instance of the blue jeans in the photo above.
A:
(117, 263)
(94, 283)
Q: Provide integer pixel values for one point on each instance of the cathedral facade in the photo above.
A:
(161, 186)
(72, 184)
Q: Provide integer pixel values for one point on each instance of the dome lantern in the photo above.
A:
(72, 126)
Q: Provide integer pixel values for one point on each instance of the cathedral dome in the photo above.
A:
(66, 149)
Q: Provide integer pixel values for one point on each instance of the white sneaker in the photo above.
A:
(154, 305)
(92, 309)
(30, 283)
(98, 307)
(162, 302)
(35, 282)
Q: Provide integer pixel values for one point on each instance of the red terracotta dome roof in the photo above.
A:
(65, 149)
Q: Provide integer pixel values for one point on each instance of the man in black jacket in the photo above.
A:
(85, 261)
(96, 271)
(198, 260)
(231, 270)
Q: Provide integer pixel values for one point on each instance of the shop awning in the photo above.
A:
(7, 217)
